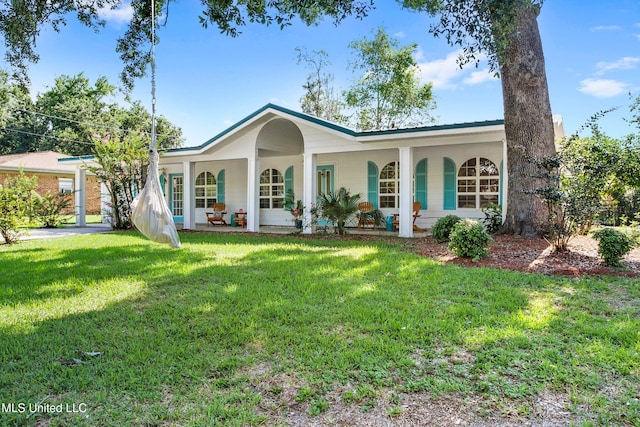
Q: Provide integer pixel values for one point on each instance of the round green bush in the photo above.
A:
(469, 239)
(441, 230)
(612, 245)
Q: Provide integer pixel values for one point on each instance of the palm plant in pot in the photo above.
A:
(338, 207)
(295, 207)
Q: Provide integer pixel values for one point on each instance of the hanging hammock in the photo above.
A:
(149, 211)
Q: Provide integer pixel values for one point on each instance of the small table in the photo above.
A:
(240, 218)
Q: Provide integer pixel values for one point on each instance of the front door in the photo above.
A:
(176, 199)
(324, 180)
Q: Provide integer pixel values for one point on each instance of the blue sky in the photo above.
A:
(207, 81)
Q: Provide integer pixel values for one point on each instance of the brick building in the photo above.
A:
(52, 176)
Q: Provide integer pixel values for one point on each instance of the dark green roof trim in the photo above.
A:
(69, 159)
(335, 127)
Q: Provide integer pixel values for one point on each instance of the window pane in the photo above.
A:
(467, 202)
(489, 186)
(199, 203)
(487, 200)
(278, 203)
(265, 203)
(212, 191)
(211, 180)
(200, 179)
(199, 192)
(265, 178)
(488, 168)
(276, 177)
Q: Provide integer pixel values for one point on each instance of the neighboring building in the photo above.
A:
(52, 176)
(454, 169)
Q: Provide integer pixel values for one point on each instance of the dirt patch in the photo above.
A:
(534, 255)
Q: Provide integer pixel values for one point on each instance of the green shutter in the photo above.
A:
(372, 184)
(220, 197)
(421, 183)
(449, 185)
(501, 178)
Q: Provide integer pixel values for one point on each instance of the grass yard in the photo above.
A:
(114, 330)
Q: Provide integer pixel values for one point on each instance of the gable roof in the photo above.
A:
(37, 161)
(282, 111)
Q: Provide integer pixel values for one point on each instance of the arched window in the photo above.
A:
(206, 190)
(389, 184)
(271, 189)
(478, 183)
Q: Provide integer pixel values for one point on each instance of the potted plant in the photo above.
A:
(295, 207)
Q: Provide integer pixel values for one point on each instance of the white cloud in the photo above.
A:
(120, 15)
(626, 63)
(602, 88)
(606, 28)
(478, 77)
(400, 34)
(445, 73)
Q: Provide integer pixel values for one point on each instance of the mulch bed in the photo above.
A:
(535, 255)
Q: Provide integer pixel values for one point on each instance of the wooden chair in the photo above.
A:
(365, 216)
(240, 219)
(217, 216)
(416, 214)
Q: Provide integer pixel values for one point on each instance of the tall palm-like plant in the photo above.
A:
(338, 207)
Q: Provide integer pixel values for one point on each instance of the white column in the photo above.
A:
(405, 228)
(253, 187)
(309, 188)
(505, 179)
(81, 197)
(188, 196)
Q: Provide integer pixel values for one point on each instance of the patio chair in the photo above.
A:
(366, 217)
(416, 214)
(217, 216)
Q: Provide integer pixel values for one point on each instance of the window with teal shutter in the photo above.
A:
(449, 202)
(288, 183)
(421, 183)
(220, 197)
(372, 184)
(163, 181)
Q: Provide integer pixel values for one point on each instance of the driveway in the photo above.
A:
(70, 230)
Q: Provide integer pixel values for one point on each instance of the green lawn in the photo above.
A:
(246, 330)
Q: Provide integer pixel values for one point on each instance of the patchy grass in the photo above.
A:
(256, 330)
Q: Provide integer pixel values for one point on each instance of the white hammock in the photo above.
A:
(149, 211)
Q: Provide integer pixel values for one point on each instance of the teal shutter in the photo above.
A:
(501, 178)
(163, 183)
(372, 184)
(288, 183)
(449, 185)
(421, 183)
(220, 197)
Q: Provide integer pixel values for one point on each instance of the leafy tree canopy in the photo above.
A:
(388, 93)
(21, 22)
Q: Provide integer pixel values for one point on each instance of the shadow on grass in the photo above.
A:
(174, 328)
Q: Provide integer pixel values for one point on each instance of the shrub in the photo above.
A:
(441, 230)
(492, 218)
(469, 239)
(16, 204)
(612, 245)
(50, 208)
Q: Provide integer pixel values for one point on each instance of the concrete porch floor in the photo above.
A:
(268, 229)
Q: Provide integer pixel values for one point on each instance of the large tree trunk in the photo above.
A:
(528, 124)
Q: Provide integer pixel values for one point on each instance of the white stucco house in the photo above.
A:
(452, 169)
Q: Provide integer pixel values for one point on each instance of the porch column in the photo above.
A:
(504, 180)
(405, 228)
(80, 187)
(188, 196)
(309, 162)
(253, 187)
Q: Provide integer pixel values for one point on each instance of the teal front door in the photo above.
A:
(324, 182)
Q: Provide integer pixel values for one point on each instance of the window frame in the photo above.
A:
(477, 183)
(208, 191)
(393, 195)
(269, 191)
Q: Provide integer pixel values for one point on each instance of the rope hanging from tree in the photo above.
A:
(149, 211)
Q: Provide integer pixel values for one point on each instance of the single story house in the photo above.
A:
(450, 169)
(53, 176)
